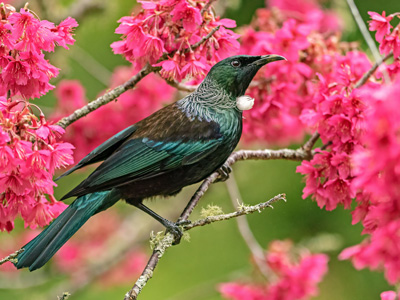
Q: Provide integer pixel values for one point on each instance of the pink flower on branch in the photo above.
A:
(295, 278)
(171, 27)
(29, 154)
(190, 16)
(24, 38)
(380, 24)
(391, 43)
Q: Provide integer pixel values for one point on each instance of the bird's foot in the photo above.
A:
(183, 222)
(223, 173)
(175, 230)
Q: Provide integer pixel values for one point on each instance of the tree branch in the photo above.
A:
(168, 239)
(245, 230)
(106, 98)
(367, 37)
(308, 146)
(131, 83)
(181, 86)
(242, 210)
(371, 71)
(11, 257)
(288, 154)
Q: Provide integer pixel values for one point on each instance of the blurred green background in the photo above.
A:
(215, 253)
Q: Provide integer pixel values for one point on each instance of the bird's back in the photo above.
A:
(176, 146)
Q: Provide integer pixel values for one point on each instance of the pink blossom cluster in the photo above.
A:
(376, 171)
(24, 38)
(83, 249)
(294, 277)
(338, 116)
(309, 12)
(359, 126)
(389, 40)
(30, 152)
(132, 106)
(171, 27)
(283, 90)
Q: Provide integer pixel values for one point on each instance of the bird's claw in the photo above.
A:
(176, 231)
(224, 173)
(183, 222)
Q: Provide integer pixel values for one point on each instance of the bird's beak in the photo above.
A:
(265, 59)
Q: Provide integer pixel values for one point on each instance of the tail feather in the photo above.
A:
(38, 251)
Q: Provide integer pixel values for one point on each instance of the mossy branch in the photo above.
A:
(162, 243)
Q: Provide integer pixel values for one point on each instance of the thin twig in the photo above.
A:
(245, 230)
(207, 6)
(107, 97)
(181, 86)
(82, 8)
(91, 65)
(288, 154)
(308, 146)
(191, 88)
(365, 32)
(242, 210)
(11, 257)
(266, 154)
(168, 239)
(371, 71)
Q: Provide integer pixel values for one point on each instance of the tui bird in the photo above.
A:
(178, 145)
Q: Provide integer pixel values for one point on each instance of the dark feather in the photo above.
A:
(157, 144)
(103, 151)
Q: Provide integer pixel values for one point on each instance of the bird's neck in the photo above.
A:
(208, 99)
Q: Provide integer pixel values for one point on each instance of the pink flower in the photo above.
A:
(294, 278)
(64, 32)
(391, 43)
(154, 48)
(380, 24)
(190, 16)
(237, 291)
(16, 74)
(61, 156)
(171, 26)
(194, 68)
(24, 25)
(388, 295)
(6, 36)
(42, 213)
(171, 69)
(379, 252)
(309, 12)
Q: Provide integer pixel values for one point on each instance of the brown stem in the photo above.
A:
(371, 71)
(166, 242)
(106, 98)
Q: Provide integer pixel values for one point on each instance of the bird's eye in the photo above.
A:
(235, 63)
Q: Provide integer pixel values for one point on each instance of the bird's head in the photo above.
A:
(236, 72)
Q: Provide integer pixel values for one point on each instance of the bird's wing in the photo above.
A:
(166, 140)
(104, 150)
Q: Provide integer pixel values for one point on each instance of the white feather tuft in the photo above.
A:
(244, 102)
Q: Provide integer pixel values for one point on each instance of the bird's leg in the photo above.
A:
(223, 173)
(170, 226)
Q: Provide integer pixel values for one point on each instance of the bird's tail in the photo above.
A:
(38, 251)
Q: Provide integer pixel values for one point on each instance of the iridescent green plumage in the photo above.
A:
(179, 145)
